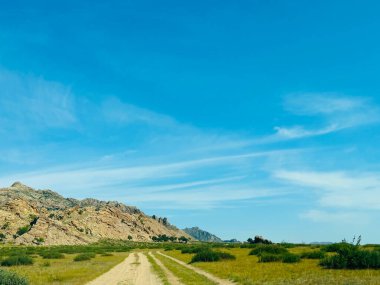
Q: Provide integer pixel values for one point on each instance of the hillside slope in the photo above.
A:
(29, 216)
(201, 235)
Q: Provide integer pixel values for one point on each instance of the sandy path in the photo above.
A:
(134, 270)
(173, 280)
(200, 271)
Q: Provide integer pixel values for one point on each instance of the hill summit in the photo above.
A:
(29, 216)
(201, 235)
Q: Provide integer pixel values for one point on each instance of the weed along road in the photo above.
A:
(137, 269)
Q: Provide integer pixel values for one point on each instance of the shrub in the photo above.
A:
(211, 256)
(107, 254)
(84, 256)
(11, 278)
(193, 249)
(52, 255)
(268, 248)
(259, 240)
(17, 260)
(313, 255)
(290, 258)
(23, 230)
(350, 256)
(355, 259)
(269, 257)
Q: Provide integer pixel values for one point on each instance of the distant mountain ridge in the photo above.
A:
(201, 235)
(29, 216)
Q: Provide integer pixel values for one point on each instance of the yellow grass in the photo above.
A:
(66, 271)
(248, 271)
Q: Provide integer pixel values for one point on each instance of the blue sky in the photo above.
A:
(240, 117)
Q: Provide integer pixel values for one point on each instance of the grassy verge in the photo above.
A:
(158, 270)
(248, 271)
(66, 271)
(185, 275)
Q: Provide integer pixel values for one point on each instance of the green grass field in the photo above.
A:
(66, 271)
(247, 270)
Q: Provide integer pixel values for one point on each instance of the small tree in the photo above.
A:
(129, 237)
(183, 239)
(154, 217)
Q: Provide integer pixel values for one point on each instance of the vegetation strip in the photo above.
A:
(173, 280)
(158, 269)
(185, 275)
(199, 271)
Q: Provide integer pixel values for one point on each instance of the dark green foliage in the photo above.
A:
(269, 248)
(290, 258)
(353, 259)
(84, 256)
(259, 240)
(193, 249)
(350, 256)
(17, 260)
(52, 255)
(23, 230)
(11, 278)
(183, 239)
(208, 255)
(269, 257)
(107, 254)
(313, 255)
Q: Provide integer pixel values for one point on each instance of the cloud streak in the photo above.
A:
(338, 189)
(27, 101)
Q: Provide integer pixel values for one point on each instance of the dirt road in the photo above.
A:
(134, 270)
(209, 276)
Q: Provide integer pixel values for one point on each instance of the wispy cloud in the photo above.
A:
(338, 189)
(27, 101)
(344, 217)
(336, 112)
(120, 112)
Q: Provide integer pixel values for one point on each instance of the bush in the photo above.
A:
(11, 278)
(84, 256)
(193, 249)
(23, 230)
(211, 256)
(52, 255)
(259, 240)
(17, 260)
(269, 248)
(313, 255)
(350, 256)
(269, 257)
(290, 258)
(355, 259)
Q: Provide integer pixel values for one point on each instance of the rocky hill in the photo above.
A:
(29, 216)
(201, 235)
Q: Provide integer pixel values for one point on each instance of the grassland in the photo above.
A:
(66, 271)
(245, 269)
(248, 271)
(186, 276)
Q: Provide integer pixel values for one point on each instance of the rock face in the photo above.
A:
(201, 235)
(29, 216)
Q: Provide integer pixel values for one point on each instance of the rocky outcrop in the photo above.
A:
(29, 216)
(201, 235)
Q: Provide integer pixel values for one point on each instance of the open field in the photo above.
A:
(247, 270)
(146, 264)
(66, 271)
